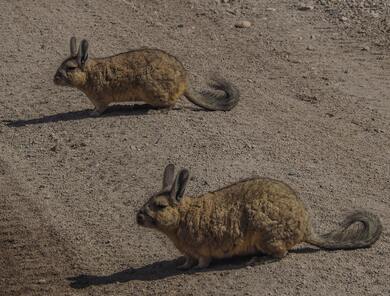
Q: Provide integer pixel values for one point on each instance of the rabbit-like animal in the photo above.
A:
(149, 75)
(258, 215)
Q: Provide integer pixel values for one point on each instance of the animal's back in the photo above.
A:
(138, 59)
(144, 74)
(246, 217)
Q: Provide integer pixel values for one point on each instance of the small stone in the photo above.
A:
(231, 11)
(343, 19)
(365, 48)
(42, 281)
(375, 14)
(309, 47)
(305, 7)
(243, 24)
(270, 9)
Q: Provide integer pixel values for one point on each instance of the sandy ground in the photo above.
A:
(315, 112)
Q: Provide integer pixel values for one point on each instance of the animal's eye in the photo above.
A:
(161, 206)
(71, 68)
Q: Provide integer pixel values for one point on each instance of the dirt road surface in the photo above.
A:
(315, 112)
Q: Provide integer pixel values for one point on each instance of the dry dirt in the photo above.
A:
(315, 112)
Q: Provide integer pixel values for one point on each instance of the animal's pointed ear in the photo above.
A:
(168, 177)
(82, 55)
(179, 186)
(73, 47)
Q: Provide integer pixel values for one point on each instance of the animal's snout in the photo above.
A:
(58, 77)
(140, 218)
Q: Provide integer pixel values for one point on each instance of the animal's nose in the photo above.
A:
(57, 76)
(140, 218)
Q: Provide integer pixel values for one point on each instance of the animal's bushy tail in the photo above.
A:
(348, 236)
(225, 100)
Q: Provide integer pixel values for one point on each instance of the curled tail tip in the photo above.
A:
(348, 237)
(371, 221)
(224, 100)
(232, 93)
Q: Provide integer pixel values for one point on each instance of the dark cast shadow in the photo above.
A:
(165, 269)
(115, 110)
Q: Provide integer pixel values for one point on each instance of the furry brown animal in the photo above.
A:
(248, 217)
(149, 75)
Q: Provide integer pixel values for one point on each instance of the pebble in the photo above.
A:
(305, 7)
(365, 48)
(343, 19)
(243, 24)
(292, 173)
(270, 9)
(309, 47)
(375, 14)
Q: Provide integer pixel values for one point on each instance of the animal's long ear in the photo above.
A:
(82, 55)
(168, 177)
(179, 186)
(73, 47)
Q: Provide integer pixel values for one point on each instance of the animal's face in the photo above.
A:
(161, 210)
(72, 70)
(70, 74)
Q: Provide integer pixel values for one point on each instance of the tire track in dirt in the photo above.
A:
(34, 260)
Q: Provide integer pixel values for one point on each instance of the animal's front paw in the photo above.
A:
(188, 263)
(203, 262)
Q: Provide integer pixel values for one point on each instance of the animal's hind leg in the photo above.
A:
(275, 248)
(203, 262)
(163, 100)
(160, 103)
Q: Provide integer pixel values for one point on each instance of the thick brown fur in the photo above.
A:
(258, 215)
(149, 75)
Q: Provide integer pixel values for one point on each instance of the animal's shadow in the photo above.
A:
(115, 110)
(166, 269)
